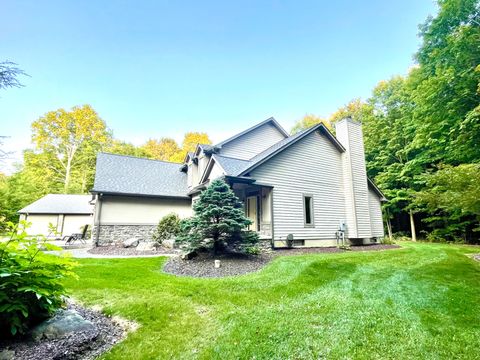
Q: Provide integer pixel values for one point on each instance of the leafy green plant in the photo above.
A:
(31, 281)
(401, 236)
(387, 241)
(219, 222)
(168, 228)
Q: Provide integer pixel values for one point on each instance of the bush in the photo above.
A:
(31, 286)
(401, 236)
(219, 222)
(168, 228)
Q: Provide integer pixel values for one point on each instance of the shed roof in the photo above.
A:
(129, 175)
(60, 204)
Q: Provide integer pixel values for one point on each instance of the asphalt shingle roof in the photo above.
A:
(120, 174)
(231, 166)
(60, 204)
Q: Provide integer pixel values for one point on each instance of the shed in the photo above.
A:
(67, 213)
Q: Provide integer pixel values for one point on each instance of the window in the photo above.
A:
(308, 210)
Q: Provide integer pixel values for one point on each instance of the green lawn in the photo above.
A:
(422, 301)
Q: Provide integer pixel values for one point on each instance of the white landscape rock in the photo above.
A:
(145, 246)
(132, 242)
(170, 243)
(217, 264)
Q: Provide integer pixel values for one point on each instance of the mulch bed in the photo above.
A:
(203, 265)
(121, 251)
(300, 251)
(81, 345)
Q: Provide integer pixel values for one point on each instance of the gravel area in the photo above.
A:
(121, 251)
(203, 264)
(83, 345)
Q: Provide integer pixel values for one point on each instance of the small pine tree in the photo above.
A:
(219, 220)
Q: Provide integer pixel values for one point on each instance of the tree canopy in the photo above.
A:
(9, 73)
(308, 121)
(66, 144)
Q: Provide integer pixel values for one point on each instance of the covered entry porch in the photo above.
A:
(257, 200)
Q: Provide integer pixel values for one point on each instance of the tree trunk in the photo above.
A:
(84, 181)
(389, 229)
(66, 182)
(216, 247)
(412, 226)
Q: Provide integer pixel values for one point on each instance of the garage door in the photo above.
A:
(40, 224)
(74, 223)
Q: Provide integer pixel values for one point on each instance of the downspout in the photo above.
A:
(98, 206)
(271, 220)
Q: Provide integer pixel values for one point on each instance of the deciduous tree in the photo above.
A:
(308, 121)
(162, 149)
(9, 73)
(68, 140)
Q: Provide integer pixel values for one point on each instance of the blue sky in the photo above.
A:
(161, 68)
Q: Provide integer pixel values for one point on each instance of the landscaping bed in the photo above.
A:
(114, 250)
(333, 249)
(235, 264)
(86, 344)
(203, 265)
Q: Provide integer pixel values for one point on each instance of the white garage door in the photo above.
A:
(74, 223)
(40, 224)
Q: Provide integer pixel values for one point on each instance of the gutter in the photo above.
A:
(99, 216)
(140, 195)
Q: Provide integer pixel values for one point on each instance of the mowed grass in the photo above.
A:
(421, 301)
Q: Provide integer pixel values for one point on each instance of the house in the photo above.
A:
(67, 213)
(302, 187)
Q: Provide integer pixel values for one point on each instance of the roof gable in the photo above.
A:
(230, 166)
(286, 143)
(270, 120)
(240, 167)
(375, 188)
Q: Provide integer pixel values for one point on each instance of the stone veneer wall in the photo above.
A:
(112, 234)
(116, 234)
(265, 245)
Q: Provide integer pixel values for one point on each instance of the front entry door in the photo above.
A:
(252, 213)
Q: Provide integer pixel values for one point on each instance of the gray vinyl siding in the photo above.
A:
(312, 166)
(250, 144)
(375, 214)
(357, 206)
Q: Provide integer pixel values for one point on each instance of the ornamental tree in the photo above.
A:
(219, 222)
